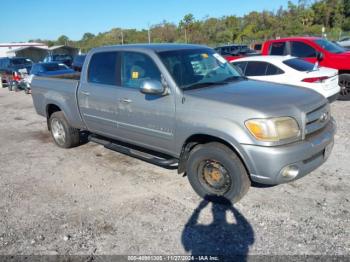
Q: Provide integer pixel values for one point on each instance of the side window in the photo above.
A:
(137, 67)
(300, 49)
(256, 69)
(241, 66)
(273, 70)
(278, 48)
(103, 68)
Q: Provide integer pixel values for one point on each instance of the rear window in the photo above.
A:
(278, 48)
(299, 64)
(103, 68)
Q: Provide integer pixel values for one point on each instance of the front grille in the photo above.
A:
(317, 119)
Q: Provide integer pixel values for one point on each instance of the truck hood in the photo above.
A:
(269, 98)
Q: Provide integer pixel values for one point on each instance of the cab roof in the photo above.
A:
(300, 38)
(154, 47)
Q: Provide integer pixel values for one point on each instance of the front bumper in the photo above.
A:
(307, 155)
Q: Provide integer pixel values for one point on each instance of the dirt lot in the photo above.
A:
(89, 200)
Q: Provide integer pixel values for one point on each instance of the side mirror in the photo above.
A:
(152, 87)
(319, 56)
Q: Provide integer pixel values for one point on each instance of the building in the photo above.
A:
(34, 51)
(7, 48)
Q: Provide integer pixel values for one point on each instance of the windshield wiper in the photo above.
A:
(232, 79)
(203, 84)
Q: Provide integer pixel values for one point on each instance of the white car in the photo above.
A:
(344, 42)
(292, 71)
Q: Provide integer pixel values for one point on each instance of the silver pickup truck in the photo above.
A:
(185, 106)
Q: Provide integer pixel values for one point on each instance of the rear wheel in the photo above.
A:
(344, 82)
(216, 173)
(62, 133)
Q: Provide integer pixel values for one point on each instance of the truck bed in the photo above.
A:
(75, 76)
(58, 90)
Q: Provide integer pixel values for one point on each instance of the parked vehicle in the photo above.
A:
(257, 47)
(344, 42)
(309, 48)
(184, 105)
(292, 71)
(78, 62)
(13, 69)
(233, 52)
(44, 69)
(62, 59)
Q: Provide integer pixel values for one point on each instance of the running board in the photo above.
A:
(133, 151)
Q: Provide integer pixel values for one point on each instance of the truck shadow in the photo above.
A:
(229, 241)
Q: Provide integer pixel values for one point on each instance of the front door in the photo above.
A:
(147, 120)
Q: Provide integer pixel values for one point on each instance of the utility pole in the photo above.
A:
(149, 34)
(122, 35)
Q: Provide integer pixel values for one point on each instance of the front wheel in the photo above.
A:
(216, 172)
(62, 133)
(344, 82)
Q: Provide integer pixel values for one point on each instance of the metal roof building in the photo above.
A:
(6, 48)
(34, 51)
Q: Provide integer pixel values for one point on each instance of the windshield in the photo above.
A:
(329, 46)
(299, 64)
(198, 68)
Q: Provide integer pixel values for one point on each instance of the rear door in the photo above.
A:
(264, 71)
(98, 94)
(279, 48)
(147, 120)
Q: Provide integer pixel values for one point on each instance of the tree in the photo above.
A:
(87, 36)
(62, 40)
(186, 23)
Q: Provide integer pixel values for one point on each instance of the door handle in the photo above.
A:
(125, 100)
(85, 93)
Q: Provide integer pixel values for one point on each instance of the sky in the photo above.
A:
(21, 20)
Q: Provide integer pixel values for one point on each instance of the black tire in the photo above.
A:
(71, 135)
(344, 82)
(237, 180)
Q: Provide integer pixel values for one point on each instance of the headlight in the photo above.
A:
(273, 129)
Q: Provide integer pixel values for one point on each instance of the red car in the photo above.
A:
(312, 49)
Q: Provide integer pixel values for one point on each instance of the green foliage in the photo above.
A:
(303, 18)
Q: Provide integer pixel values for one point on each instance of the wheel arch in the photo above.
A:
(50, 109)
(200, 138)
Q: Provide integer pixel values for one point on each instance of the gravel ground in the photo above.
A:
(89, 200)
